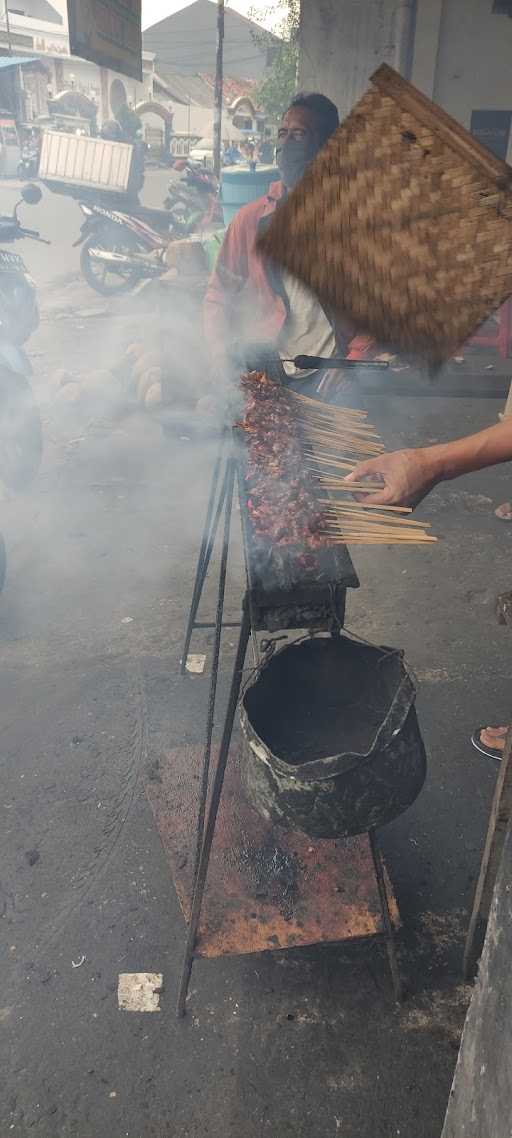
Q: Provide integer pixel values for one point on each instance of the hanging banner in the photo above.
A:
(108, 32)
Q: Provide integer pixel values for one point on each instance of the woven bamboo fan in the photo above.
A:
(403, 223)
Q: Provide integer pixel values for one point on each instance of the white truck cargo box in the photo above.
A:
(77, 160)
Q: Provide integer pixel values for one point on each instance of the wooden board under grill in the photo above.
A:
(403, 223)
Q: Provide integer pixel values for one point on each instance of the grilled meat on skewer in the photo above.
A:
(280, 495)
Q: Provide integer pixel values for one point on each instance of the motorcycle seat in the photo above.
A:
(158, 218)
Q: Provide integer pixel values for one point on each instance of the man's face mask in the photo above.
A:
(293, 155)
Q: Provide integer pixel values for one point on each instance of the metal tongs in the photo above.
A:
(304, 363)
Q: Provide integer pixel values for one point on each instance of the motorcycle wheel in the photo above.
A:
(107, 281)
(3, 562)
(21, 435)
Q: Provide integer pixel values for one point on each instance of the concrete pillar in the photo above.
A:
(429, 15)
(344, 41)
(105, 112)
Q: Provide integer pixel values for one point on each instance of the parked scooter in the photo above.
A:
(119, 249)
(194, 198)
(20, 422)
(28, 164)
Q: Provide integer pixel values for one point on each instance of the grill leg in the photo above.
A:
(226, 499)
(386, 917)
(202, 869)
(205, 551)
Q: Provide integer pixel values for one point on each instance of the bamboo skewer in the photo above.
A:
(337, 436)
(379, 515)
(339, 482)
(388, 538)
(351, 488)
(337, 507)
(365, 540)
(326, 443)
(316, 405)
(375, 527)
(348, 536)
(374, 524)
(337, 426)
(332, 424)
(358, 426)
(383, 533)
(337, 463)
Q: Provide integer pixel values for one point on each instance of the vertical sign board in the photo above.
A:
(492, 129)
(108, 32)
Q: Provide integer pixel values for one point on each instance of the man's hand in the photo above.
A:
(406, 475)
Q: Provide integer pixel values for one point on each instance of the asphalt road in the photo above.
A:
(101, 561)
(58, 219)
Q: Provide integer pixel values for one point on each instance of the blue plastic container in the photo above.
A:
(241, 185)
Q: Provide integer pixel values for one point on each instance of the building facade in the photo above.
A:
(458, 52)
(176, 109)
(38, 29)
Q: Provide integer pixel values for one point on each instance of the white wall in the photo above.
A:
(343, 42)
(462, 56)
(200, 120)
(426, 44)
(474, 63)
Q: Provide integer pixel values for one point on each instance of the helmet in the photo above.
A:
(112, 131)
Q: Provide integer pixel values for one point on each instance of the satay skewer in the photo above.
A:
(330, 408)
(386, 538)
(374, 527)
(336, 463)
(333, 423)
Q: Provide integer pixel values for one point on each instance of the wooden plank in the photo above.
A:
(501, 813)
(267, 888)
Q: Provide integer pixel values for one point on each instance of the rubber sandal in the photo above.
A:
(490, 752)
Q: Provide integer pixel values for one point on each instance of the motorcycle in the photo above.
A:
(28, 165)
(119, 249)
(21, 442)
(195, 196)
(124, 245)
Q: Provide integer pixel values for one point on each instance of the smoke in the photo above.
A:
(111, 526)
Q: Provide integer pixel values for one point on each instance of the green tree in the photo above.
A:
(277, 88)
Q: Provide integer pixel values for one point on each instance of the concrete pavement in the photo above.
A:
(58, 219)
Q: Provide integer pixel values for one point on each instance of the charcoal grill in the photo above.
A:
(281, 594)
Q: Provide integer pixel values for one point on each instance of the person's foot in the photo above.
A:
(504, 512)
(490, 741)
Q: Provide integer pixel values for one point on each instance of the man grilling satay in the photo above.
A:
(250, 301)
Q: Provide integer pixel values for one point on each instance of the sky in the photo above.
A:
(154, 10)
(269, 11)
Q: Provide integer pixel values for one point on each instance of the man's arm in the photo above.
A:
(408, 475)
(226, 282)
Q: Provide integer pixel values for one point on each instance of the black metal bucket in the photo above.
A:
(331, 740)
